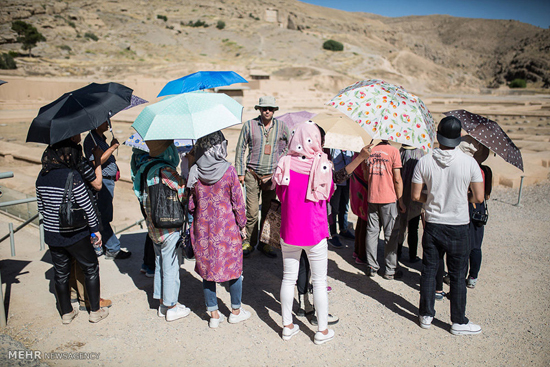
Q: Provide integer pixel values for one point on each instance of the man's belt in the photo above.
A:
(260, 179)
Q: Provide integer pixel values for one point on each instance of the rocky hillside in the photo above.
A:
(166, 38)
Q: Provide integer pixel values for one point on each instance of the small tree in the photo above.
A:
(28, 35)
(333, 45)
(518, 83)
(7, 62)
(221, 24)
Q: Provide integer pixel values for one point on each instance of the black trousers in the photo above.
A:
(84, 254)
(303, 274)
(149, 253)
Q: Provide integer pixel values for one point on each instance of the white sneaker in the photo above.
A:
(465, 329)
(214, 323)
(471, 282)
(177, 312)
(425, 321)
(321, 338)
(289, 333)
(162, 311)
(243, 315)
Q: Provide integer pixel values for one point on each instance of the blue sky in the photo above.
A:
(536, 12)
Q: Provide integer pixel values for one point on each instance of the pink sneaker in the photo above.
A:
(359, 261)
(354, 255)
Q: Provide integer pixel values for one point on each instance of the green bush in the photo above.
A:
(163, 17)
(221, 24)
(71, 24)
(65, 47)
(91, 36)
(7, 62)
(253, 17)
(518, 83)
(28, 35)
(333, 45)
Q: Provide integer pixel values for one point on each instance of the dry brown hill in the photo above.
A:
(282, 37)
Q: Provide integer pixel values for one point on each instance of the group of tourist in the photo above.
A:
(386, 188)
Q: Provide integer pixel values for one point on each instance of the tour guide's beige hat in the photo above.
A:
(267, 101)
(157, 147)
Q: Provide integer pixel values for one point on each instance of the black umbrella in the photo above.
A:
(490, 134)
(78, 111)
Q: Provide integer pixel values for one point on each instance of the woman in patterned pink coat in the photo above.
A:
(219, 219)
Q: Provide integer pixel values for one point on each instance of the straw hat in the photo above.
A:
(157, 147)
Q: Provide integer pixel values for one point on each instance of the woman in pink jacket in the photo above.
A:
(304, 185)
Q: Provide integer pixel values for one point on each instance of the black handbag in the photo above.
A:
(70, 214)
(166, 208)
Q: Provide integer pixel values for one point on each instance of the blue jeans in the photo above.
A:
(235, 290)
(167, 270)
(105, 206)
(438, 240)
(339, 204)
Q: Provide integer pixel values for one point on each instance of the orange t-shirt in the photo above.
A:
(383, 159)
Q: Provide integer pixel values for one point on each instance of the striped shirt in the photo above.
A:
(256, 137)
(50, 188)
(171, 179)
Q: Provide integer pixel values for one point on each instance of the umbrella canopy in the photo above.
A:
(490, 134)
(387, 112)
(78, 111)
(2, 82)
(201, 80)
(135, 101)
(188, 116)
(293, 118)
(136, 141)
(342, 132)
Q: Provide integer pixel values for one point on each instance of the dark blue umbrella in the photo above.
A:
(2, 82)
(201, 80)
(78, 111)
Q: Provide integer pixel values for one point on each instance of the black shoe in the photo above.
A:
(267, 251)
(347, 234)
(335, 242)
(397, 275)
(371, 272)
(331, 320)
(120, 255)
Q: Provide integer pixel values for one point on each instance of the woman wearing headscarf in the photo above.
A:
(66, 243)
(304, 184)
(159, 165)
(219, 220)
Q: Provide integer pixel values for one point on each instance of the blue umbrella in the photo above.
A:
(188, 116)
(201, 80)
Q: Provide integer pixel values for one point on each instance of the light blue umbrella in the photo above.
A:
(188, 116)
(201, 80)
(136, 141)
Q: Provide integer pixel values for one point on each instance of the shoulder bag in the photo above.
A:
(70, 214)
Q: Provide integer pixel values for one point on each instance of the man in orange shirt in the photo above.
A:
(385, 191)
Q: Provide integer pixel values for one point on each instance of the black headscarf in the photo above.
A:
(64, 154)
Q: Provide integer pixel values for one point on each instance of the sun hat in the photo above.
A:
(448, 132)
(157, 147)
(267, 101)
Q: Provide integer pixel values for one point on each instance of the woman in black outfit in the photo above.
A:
(65, 243)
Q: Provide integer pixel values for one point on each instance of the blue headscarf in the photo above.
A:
(140, 160)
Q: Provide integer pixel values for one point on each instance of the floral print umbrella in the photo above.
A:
(490, 134)
(387, 112)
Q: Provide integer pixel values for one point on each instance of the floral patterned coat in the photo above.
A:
(218, 215)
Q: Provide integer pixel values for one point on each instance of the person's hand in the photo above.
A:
(97, 152)
(243, 233)
(115, 143)
(402, 207)
(365, 151)
(98, 234)
(241, 179)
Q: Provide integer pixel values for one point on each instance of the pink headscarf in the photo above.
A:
(305, 155)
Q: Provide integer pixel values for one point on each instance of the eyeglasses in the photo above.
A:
(268, 109)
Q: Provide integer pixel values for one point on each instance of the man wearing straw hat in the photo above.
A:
(266, 139)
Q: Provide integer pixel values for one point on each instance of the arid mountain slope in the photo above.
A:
(282, 37)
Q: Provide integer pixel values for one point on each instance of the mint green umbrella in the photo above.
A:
(188, 116)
